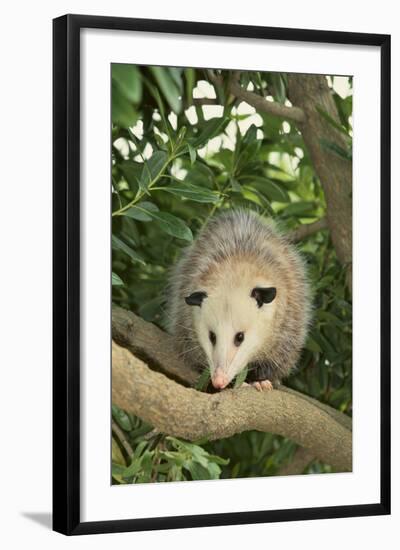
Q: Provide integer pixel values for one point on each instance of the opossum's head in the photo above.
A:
(233, 324)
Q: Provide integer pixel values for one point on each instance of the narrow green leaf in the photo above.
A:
(192, 154)
(176, 74)
(140, 211)
(123, 113)
(211, 129)
(172, 225)
(241, 377)
(132, 172)
(116, 280)
(279, 87)
(121, 418)
(255, 196)
(191, 192)
(235, 185)
(129, 79)
(299, 209)
(312, 345)
(331, 121)
(118, 244)
(203, 380)
(335, 148)
(153, 168)
(168, 87)
(268, 187)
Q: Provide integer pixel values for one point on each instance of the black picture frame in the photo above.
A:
(66, 273)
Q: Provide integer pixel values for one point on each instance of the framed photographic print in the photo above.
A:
(221, 274)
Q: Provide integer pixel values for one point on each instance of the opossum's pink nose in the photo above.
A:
(219, 380)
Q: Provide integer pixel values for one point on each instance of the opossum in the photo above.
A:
(239, 297)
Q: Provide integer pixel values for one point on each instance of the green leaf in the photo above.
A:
(312, 345)
(200, 175)
(116, 280)
(129, 80)
(172, 225)
(120, 245)
(153, 168)
(176, 74)
(140, 211)
(268, 187)
(203, 380)
(241, 377)
(116, 454)
(211, 129)
(168, 87)
(121, 418)
(235, 185)
(279, 87)
(253, 195)
(299, 209)
(192, 192)
(192, 154)
(123, 113)
(335, 148)
(117, 471)
(332, 122)
(132, 172)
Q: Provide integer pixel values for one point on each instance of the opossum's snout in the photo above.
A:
(219, 380)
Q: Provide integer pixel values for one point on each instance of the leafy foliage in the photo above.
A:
(175, 164)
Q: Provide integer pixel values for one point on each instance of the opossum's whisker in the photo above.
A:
(180, 325)
(188, 351)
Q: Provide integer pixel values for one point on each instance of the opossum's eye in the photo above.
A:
(263, 295)
(196, 298)
(213, 337)
(239, 337)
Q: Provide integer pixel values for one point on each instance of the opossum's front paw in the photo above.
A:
(262, 385)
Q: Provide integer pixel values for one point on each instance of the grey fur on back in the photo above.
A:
(243, 233)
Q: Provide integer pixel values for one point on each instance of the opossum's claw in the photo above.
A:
(262, 385)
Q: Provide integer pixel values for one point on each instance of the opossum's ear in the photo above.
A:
(196, 298)
(263, 295)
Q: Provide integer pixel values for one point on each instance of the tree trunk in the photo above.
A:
(335, 173)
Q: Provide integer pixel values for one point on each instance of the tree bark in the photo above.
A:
(301, 459)
(190, 414)
(151, 344)
(335, 173)
(184, 412)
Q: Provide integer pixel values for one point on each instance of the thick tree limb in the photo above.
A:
(166, 409)
(151, 344)
(301, 459)
(156, 348)
(190, 414)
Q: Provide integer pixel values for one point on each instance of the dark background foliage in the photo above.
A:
(182, 150)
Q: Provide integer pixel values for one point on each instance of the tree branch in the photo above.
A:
(301, 459)
(258, 102)
(200, 101)
(305, 230)
(187, 413)
(121, 436)
(151, 344)
(190, 414)
(270, 107)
